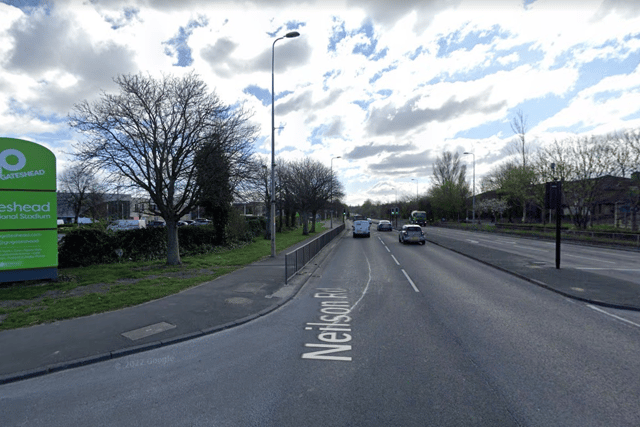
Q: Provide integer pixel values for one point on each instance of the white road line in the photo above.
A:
(607, 268)
(622, 319)
(394, 258)
(366, 288)
(590, 259)
(410, 281)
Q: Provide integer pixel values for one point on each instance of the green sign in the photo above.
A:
(28, 249)
(28, 211)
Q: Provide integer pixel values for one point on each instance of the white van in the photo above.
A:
(361, 228)
(127, 224)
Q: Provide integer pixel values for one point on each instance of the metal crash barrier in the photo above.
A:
(294, 261)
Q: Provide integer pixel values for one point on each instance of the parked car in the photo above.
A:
(126, 224)
(361, 228)
(201, 221)
(411, 233)
(384, 225)
(156, 223)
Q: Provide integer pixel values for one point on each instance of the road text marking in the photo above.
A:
(148, 331)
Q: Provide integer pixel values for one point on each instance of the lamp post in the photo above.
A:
(474, 185)
(417, 198)
(338, 157)
(273, 144)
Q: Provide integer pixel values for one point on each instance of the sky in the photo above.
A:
(386, 86)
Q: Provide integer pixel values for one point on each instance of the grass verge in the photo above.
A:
(95, 289)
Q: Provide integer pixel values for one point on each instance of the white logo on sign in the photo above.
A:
(4, 164)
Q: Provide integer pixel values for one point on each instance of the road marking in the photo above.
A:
(473, 241)
(410, 281)
(394, 258)
(622, 319)
(334, 323)
(590, 259)
(148, 331)
(607, 268)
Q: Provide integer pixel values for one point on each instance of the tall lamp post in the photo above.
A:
(338, 157)
(474, 185)
(273, 144)
(417, 198)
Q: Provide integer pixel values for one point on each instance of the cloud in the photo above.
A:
(371, 150)
(390, 120)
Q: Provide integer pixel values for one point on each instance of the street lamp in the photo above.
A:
(273, 145)
(338, 157)
(417, 198)
(474, 185)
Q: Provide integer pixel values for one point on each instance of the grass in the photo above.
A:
(95, 289)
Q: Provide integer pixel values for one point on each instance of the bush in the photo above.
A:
(94, 245)
(80, 247)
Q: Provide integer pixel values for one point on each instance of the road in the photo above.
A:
(624, 265)
(421, 336)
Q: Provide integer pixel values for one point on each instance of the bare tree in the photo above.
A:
(308, 184)
(150, 134)
(82, 190)
(520, 148)
(520, 126)
(580, 162)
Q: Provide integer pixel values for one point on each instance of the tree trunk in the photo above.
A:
(313, 221)
(305, 223)
(173, 246)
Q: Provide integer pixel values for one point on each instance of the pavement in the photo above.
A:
(239, 297)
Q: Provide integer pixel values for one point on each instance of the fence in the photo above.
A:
(294, 261)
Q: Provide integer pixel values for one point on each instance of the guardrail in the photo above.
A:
(294, 261)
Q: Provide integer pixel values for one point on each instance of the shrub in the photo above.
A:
(81, 247)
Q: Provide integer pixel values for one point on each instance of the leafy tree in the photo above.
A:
(150, 135)
(450, 189)
(214, 180)
(493, 206)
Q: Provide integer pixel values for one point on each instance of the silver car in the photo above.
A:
(411, 233)
(383, 225)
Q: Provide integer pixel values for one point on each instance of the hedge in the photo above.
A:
(87, 246)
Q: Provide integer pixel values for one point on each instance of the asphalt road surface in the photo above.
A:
(382, 334)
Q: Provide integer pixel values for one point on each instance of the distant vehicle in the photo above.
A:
(126, 224)
(156, 223)
(419, 217)
(181, 223)
(369, 219)
(361, 227)
(411, 233)
(384, 225)
(201, 221)
(357, 217)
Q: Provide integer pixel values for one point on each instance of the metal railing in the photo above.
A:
(295, 260)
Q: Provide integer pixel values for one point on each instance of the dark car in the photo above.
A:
(384, 225)
(156, 224)
(411, 233)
